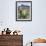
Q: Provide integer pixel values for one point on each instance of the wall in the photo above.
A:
(31, 30)
(39, 18)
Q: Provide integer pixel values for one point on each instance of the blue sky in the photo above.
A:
(19, 3)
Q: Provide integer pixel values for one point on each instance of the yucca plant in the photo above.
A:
(23, 14)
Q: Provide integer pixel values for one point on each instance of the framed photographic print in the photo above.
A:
(23, 10)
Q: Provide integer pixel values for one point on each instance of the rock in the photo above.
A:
(39, 40)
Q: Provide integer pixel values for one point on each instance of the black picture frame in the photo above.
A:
(23, 10)
(31, 43)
